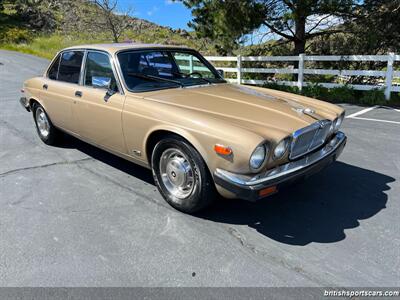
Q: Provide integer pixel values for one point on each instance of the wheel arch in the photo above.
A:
(155, 135)
(32, 101)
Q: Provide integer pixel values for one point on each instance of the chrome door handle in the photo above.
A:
(45, 86)
(78, 94)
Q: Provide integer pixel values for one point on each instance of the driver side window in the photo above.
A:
(98, 72)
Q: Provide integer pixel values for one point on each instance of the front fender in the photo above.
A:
(142, 117)
(178, 131)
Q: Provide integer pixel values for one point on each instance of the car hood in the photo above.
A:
(265, 111)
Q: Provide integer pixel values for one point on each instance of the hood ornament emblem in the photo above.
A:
(308, 111)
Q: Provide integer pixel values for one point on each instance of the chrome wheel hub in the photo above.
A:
(176, 173)
(42, 122)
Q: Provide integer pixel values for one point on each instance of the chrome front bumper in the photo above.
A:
(25, 103)
(248, 186)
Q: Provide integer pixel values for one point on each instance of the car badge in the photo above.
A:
(308, 111)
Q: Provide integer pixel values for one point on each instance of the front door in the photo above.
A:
(98, 106)
(58, 90)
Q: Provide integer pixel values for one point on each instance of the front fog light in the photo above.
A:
(258, 157)
(281, 148)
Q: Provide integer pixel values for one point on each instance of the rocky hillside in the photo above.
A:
(42, 27)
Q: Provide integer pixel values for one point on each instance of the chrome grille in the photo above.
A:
(309, 138)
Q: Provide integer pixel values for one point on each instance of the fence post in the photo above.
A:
(239, 69)
(300, 76)
(389, 76)
(191, 63)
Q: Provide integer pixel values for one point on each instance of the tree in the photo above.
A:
(296, 21)
(115, 21)
(375, 31)
(38, 14)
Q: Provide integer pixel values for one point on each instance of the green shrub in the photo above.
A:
(281, 87)
(342, 94)
(16, 36)
(373, 97)
(315, 91)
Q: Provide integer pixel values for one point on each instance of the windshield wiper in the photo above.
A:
(155, 78)
(188, 76)
(204, 79)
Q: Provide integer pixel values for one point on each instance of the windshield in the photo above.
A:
(145, 70)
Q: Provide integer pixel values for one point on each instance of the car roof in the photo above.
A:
(115, 47)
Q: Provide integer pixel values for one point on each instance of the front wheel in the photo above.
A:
(181, 175)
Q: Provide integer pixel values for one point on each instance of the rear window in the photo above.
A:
(70, 66)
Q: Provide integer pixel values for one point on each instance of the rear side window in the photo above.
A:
(53, 72)
(70, 66)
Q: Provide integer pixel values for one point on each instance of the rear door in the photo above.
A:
(58, 90)
(98, 109)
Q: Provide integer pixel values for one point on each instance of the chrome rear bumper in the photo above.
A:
(248, 186)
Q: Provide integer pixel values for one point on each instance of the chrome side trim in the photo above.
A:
(283, 170)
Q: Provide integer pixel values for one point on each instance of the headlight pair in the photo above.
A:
(261, 152)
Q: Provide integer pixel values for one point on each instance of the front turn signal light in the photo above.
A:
(268, 191)
(223, 150)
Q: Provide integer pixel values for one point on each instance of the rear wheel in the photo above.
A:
(45, 129)
(181, 175)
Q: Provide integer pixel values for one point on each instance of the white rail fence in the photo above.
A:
(388, 74)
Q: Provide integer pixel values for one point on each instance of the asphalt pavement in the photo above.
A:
(74, 215)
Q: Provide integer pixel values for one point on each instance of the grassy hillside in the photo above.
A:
(47, 45)
(71, 29)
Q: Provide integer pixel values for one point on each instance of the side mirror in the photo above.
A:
(109, 93)
(220, 72)
(101, 82)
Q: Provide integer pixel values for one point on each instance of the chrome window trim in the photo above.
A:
(112, 63)
(61, 53)
(85, 50)
(46, 73)
(83, 66)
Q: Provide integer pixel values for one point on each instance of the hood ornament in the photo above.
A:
(308, 111)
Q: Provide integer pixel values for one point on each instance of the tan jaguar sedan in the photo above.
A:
(168, 109)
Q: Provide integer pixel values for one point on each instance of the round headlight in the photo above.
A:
(281, 148)
(332, 128)
(258, 157)
(338, 123)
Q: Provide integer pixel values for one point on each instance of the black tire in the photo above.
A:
(52, 132)
(203, 193)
